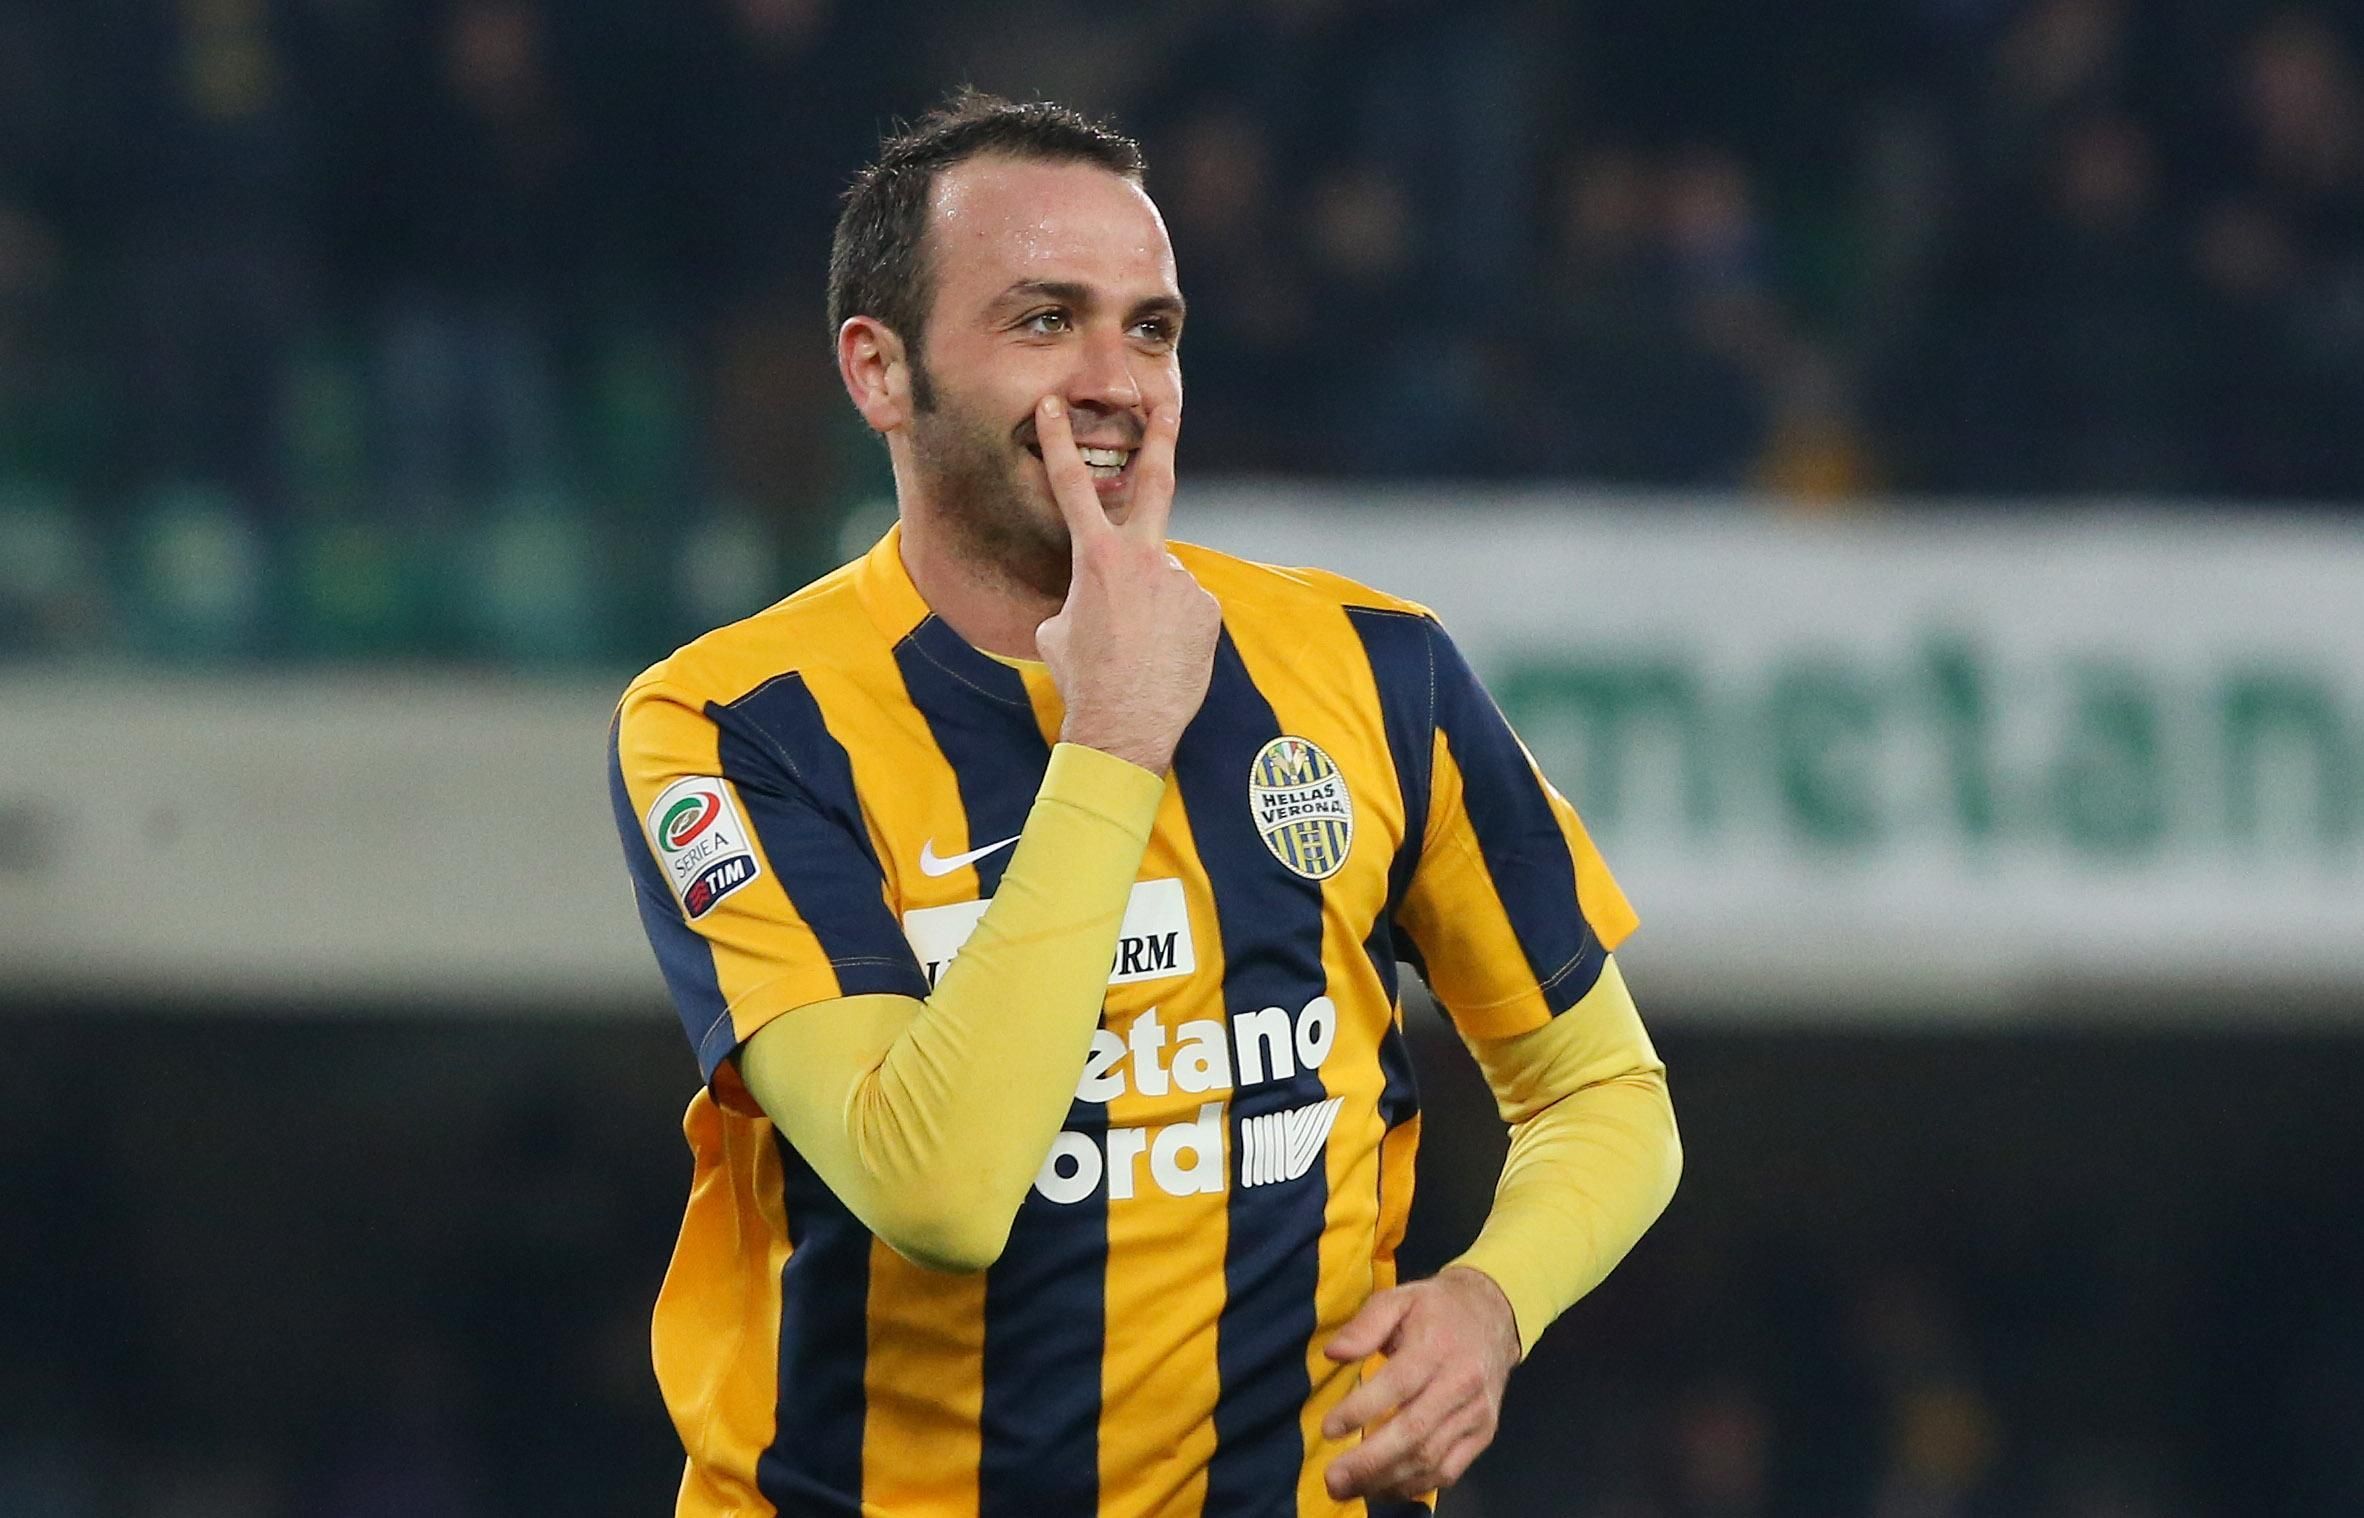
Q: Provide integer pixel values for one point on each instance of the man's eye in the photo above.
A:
(1157, 330)
(1047, 322)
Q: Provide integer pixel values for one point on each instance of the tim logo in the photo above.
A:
(701, 842)
(717, 883)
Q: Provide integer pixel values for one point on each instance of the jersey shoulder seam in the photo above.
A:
(736, 660)
(1308, 583)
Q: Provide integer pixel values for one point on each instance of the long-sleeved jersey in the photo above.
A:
(818, 802)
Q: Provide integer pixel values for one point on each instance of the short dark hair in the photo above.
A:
(878, 265)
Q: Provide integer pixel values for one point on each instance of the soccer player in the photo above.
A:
(1033, 890)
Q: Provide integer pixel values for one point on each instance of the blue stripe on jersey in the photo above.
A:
(977, 710)
(682, 955)
(1045, 1298)
(1403, 667)
(1271, 927)
(810, 823)
(814, 1464)
(1399, 1097)
(1045, 1329)
(1518, 835)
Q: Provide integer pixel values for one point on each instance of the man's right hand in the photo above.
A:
(1133, 648)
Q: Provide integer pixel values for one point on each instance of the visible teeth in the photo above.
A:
(1104, 458)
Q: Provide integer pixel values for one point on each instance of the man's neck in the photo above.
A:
(988, 608)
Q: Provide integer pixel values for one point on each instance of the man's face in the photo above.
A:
(1049, 279)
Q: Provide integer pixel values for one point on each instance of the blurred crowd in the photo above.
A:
(356, 324)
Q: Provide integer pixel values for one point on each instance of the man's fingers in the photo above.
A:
(1071, 479)
(1369, 1467)
(1460, 1458)
(1429, 1443)
(1153, 475)
(1372, 1328)
(1430, 1409)
(1376, 1397)
(1396, 1458)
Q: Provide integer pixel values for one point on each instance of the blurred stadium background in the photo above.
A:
(1901, 463)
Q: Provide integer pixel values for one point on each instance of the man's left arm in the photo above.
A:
(1594, 1157)
(1514, 916)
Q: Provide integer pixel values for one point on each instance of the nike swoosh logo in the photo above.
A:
(931, 864)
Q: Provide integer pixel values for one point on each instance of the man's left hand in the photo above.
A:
(1451, 1344)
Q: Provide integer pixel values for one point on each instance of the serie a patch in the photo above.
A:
(702, 842)
(1303, 810)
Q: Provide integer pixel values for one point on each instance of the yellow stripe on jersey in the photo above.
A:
(1234, 1171)
(1163, 1309)
(924, 1385)
(717, 1329)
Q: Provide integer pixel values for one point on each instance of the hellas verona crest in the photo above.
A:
(1302, 807)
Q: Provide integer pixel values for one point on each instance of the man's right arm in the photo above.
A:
(929, 1119)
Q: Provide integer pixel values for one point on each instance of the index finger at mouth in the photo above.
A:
(1153, 475)
(1071, 480)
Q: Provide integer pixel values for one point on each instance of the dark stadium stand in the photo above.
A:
(298, 295)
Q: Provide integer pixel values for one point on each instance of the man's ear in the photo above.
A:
(876, 371)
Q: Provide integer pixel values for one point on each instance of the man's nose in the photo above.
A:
(1105, 380)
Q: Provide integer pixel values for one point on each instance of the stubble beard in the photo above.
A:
(976, 474)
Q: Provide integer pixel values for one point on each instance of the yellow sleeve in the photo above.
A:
(929, 1119)
(1593, 1159)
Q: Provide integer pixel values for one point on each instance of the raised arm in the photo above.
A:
(930, 1114)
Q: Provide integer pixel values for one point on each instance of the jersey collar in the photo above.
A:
(892, 601)
(897, 609)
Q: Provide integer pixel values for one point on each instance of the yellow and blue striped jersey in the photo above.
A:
(816, 802)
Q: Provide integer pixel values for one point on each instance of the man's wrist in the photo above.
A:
(1156, 760)
(1105, 784)
(1478, 1286)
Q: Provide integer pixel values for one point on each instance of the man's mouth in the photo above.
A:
(1105, 463)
